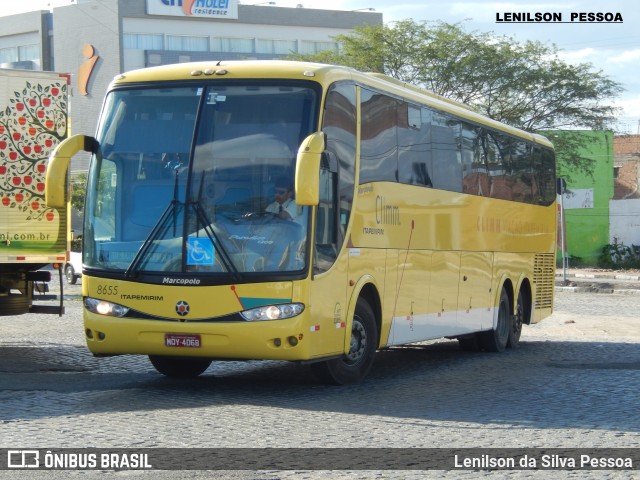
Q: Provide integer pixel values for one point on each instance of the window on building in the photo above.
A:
(8, 55)
(142, 41)
(29, 52)
(309, 47)
(187, 43)
(24, 53)
(233, 45)
(279, 47)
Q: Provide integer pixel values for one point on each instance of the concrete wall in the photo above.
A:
(624, 222)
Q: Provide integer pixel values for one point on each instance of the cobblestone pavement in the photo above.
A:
(573, 382)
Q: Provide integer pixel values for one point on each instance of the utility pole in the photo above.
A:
(561, 187)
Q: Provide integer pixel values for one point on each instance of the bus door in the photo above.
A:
(329, 288)
(332, 215)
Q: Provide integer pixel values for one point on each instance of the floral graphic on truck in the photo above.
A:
(31, 126)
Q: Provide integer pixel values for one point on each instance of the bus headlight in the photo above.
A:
(103, 307)
(273, 312)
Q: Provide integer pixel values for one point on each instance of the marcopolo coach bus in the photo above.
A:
(407, 217)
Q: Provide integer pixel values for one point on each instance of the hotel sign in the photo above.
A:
(194, 8)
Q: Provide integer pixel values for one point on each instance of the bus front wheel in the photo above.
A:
(354, 366)
(495, 340)
(179, 367)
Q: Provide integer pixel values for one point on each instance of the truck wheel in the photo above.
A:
(179, 367)
(14, 304)
(354, 366)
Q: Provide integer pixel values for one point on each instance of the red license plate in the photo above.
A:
(182, 340)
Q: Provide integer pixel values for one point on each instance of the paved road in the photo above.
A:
(573, 382)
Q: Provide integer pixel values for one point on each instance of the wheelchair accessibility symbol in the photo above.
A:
(199, 251)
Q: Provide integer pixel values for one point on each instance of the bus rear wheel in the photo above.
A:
(495, 340)
(354, 366)
(516, 324)
(179, 367)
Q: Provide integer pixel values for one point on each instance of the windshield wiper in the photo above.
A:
(213, 236)
(170, 211)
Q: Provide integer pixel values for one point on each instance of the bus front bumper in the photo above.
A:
(287, 339)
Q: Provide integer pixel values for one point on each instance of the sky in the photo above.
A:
(613, 48)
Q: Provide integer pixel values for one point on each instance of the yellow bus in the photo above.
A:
(305, 212)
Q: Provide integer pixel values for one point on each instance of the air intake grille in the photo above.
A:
(544, 270)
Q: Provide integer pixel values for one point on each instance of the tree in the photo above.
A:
(526, 85)
(78, 190)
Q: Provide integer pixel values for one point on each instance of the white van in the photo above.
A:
(73, 269)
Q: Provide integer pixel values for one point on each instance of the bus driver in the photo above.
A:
(283, 205)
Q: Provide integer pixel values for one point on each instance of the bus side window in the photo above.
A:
(414, 149)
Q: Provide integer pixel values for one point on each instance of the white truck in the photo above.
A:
(33, 121)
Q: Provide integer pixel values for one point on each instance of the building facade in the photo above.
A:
(586, 201)
(95, 40)
(625, 206)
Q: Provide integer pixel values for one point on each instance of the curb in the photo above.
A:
(602, 276)
(596, 289)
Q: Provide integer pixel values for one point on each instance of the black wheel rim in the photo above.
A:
(501, 328)
(519, 316)
(358, 346)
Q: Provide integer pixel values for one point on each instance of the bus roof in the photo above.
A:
(322, 73)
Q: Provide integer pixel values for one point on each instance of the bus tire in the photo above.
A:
(354, 366)
(516, 324)
(179, 367)
(495, 340)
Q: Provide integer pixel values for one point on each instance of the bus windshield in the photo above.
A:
(199, 180)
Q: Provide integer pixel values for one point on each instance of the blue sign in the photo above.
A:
(200, 251)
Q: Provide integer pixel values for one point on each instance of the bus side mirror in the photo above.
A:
(307, 183)
(56, 182)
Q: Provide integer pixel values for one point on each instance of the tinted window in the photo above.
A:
(414, 145)
(500, 166)
(447, 162)
(378, 150)
(522, 174)
(544, 170)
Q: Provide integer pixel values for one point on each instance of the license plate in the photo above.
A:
(182, 340)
